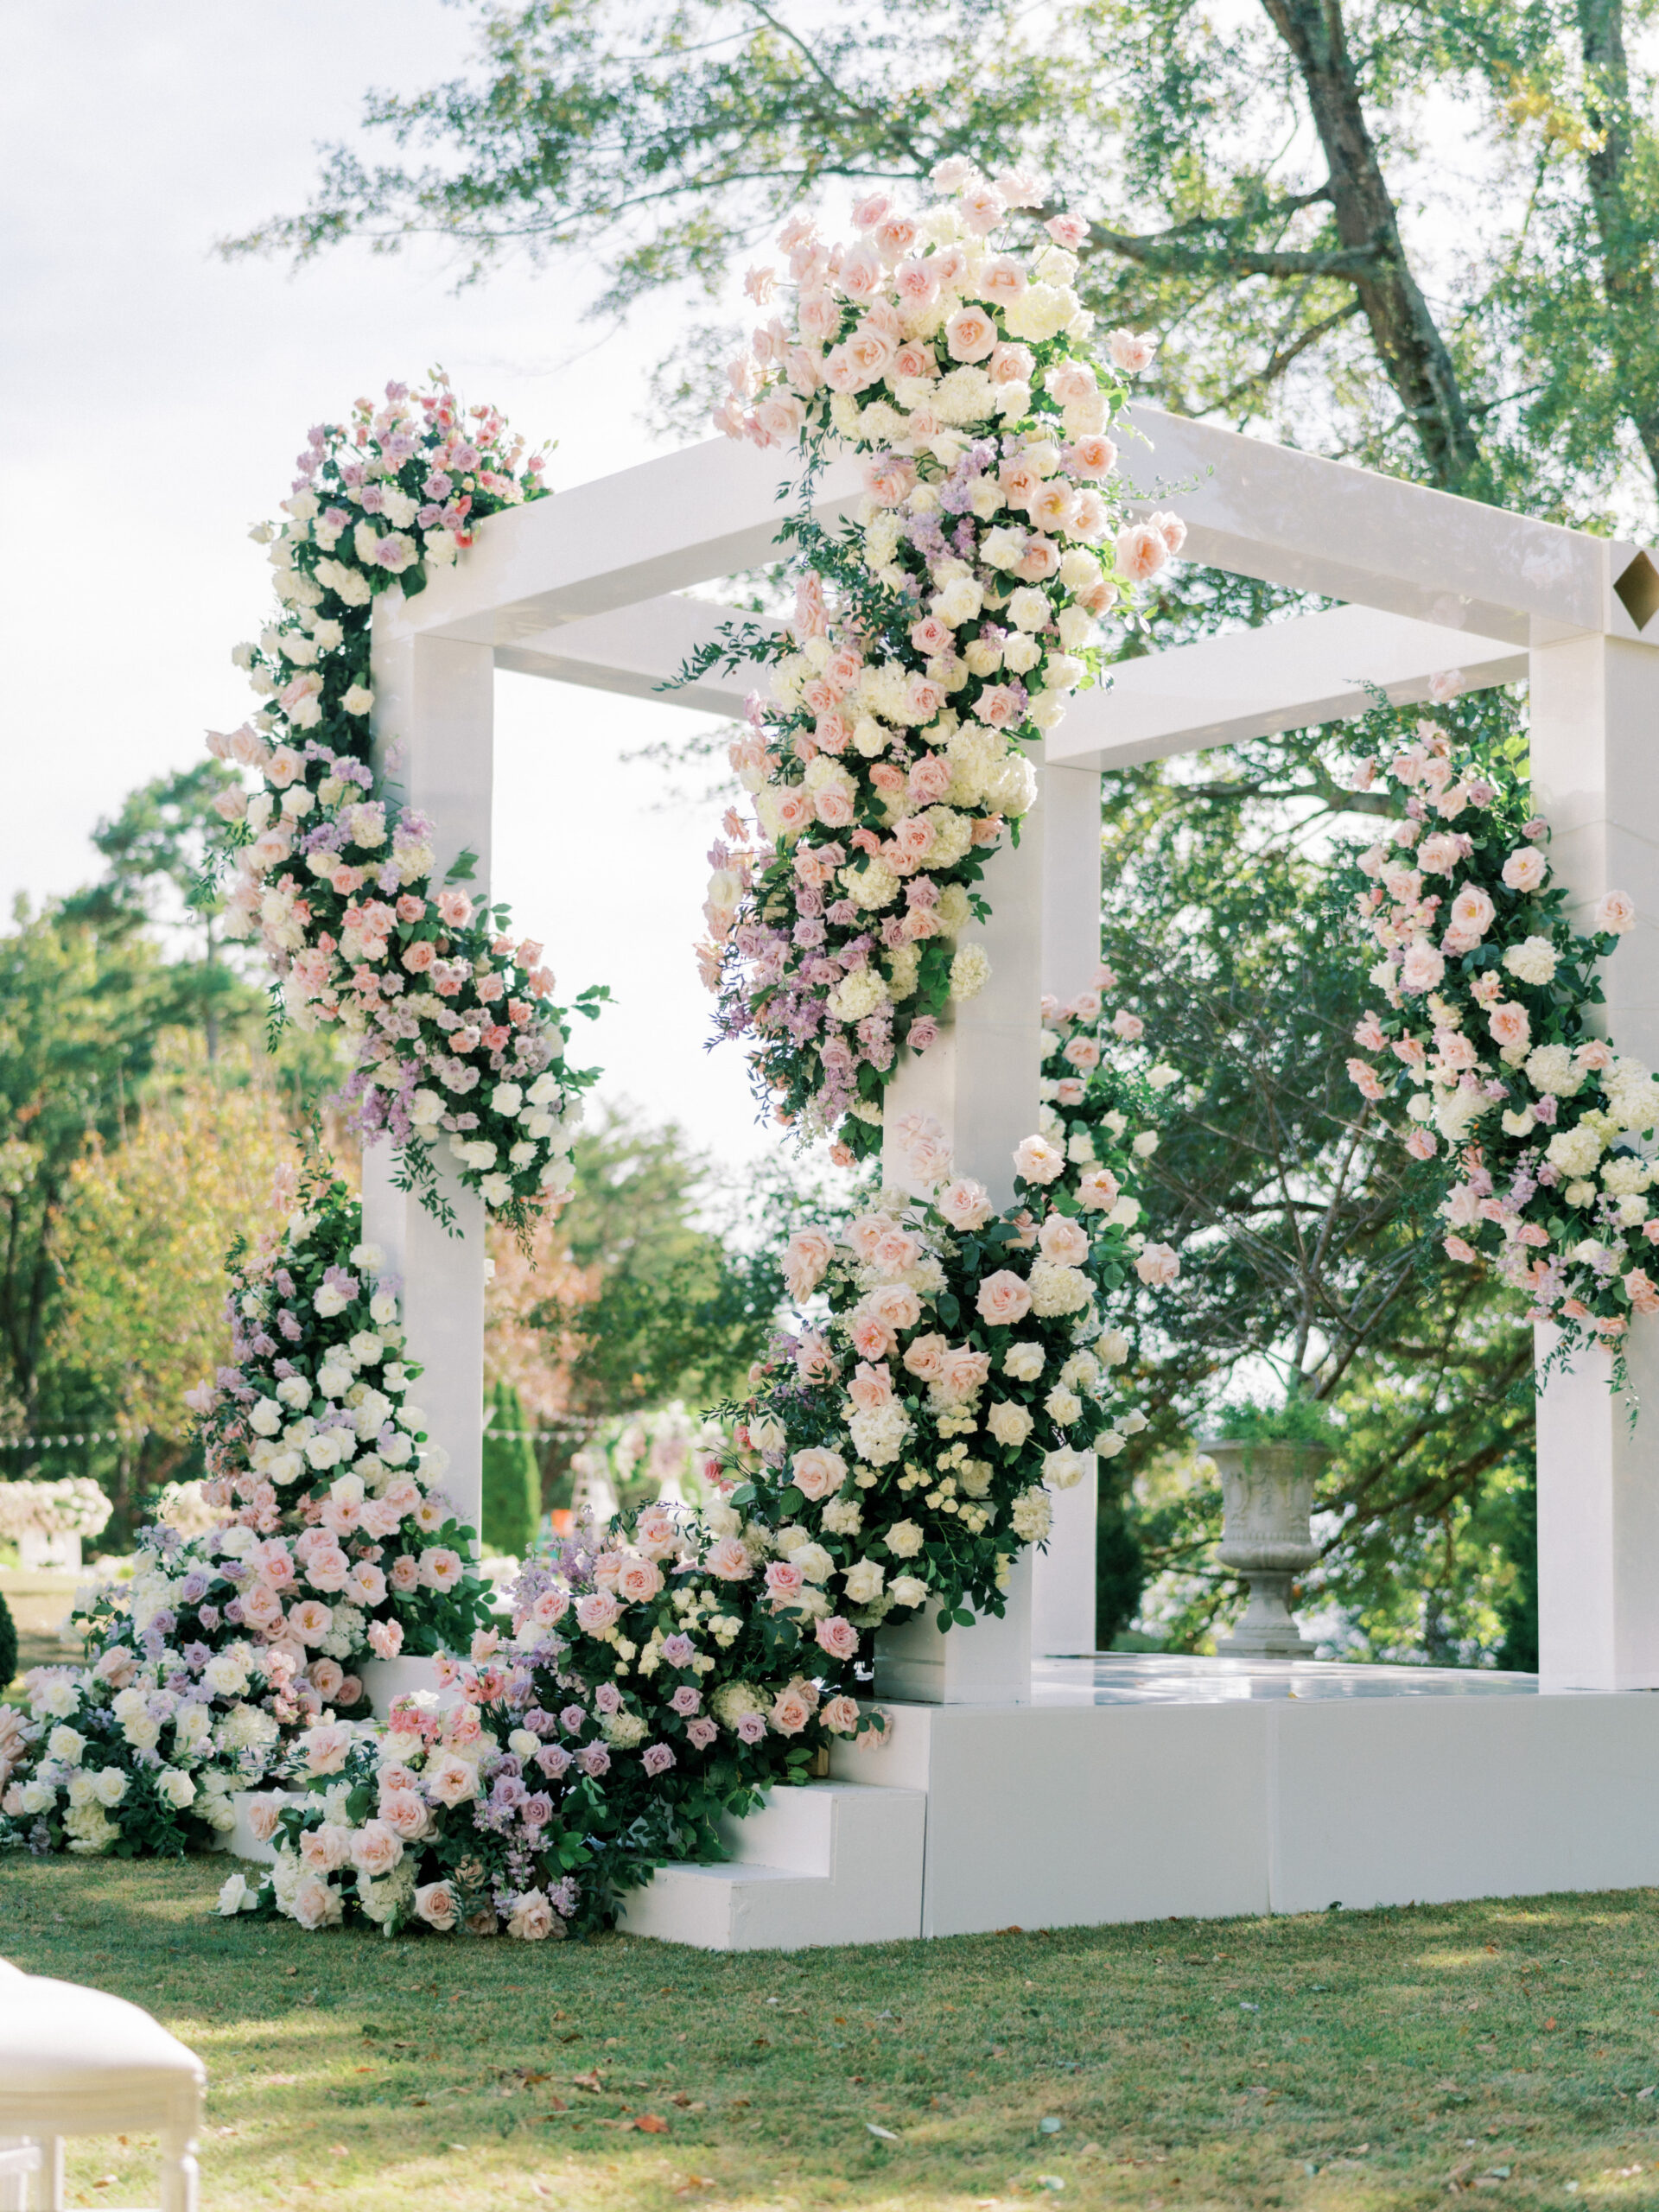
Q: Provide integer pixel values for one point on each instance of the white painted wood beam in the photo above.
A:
(685, 518)
(1313, 668)
(634, 650)
(1265, 509)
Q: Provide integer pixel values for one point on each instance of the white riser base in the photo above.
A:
(832, 1862)
(387, 1679)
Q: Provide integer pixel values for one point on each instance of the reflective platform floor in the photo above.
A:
(1162, 1678)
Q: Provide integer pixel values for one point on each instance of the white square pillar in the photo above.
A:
(1595, 770)
(979, 1082)
(1063, 1576)
(434, 730)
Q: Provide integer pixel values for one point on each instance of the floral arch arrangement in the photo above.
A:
(952, 1364)
(1486, 1048)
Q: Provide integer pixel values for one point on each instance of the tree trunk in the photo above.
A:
(1626, 274)
(1402, 329)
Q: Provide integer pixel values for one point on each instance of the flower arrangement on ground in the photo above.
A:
(932, 638)
(330, 1544)
(458, 1041)
(1486, 1043)
(644, 1697)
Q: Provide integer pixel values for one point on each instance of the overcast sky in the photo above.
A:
(154, 400)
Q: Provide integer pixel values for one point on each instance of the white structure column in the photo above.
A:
(979, 1082)
(433, 733)
(1063, 1576)
(1595, 768)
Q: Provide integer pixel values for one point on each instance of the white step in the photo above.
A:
(830, 1862)
(387, 1679)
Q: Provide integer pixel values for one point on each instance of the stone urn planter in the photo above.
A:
(1267, 1492)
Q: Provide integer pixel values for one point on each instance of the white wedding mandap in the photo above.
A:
(1025, 1778)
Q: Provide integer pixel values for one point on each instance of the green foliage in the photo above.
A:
(1263, 199)
(1298, 1420)
(512, 1481)
(1120, 1567)
(1305, 1243)
(8, 1646)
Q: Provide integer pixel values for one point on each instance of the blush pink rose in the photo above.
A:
(1525, 869)
(322, 1849)
(376, 1848)
(640, 1581)
(1094, 456)
(264, 1813)
(816, 1472)
(1141, 551)
(965, 1204)
(806, 1257)
(315, 1904)
(728, 1560)
(871, 1386)
(784, 1582)
(451, 1780)
(840, 1715)
(1422, 969)
(596, 1613)
(405, 1813)
(1158, 1264)
(1063, 1241)
(1003, 1300)
(1037, 1161)
(1510, 1026)
(790, 1712)
(434, 1903)
(1616, 912)
(971, 334)
(924, 1357)
(837, 1637)
(963, 1371)
(1098, 1190)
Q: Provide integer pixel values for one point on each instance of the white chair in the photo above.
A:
(77, 2061)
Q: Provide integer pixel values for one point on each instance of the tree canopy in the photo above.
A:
(1420, 237)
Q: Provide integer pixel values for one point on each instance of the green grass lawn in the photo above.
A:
(1341, 2060)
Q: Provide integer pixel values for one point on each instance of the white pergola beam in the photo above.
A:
(711, 510)
(637, 650)
(1313, 668)
(1295, 518)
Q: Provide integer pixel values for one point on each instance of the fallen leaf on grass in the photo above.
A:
(589, 2081)
(650, 2123)
(680, 2098)
(692, 2182)
(337, 2150)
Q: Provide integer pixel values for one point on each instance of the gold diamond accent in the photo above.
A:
(1638, 591)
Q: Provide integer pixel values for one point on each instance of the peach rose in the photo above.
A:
(837, 1637)
(872, 1339)
(1141, 551)
(971, 334)
(1510, 1026)
(871, 1386)
(1012, 364)
(790, 1712)
(434, 1903)
(1643, 1296)
(924, 1357)
(451, 1780)
(1094, 455)
(963, 1371)
(1525, 869)
(322, 1849)
(596, 1613)
(640, 1581)
(965, 1204)
(1038, 1161)
(1158, 1264)
(1365, 1080)
(376, 1848)
(895, 1305)
(1098, 1190)
(323, 1749)
(806, 1257)
(1063, 1241)
(385, 1638)
(405, 1813)
(1082, 1053)
(889, 479)
(327, 1675)
(1422, 969)
(730, 1560)
(840, 1716)
(1472, 912)
(784, 1582)
(1003, 1300)
(315, 1904)
(816, 1472)
(264, 1813)
(532, 1918)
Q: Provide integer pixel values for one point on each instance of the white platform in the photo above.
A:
(1141, 1788)
(831, 1862)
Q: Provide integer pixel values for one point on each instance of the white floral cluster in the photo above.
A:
(73, 1506)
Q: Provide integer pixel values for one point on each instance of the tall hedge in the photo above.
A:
(512, 1481)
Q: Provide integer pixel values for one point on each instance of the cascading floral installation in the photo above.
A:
(662, 1675)
(931, 638)
(1486, 1040)
(329, 1544)
(456, 1034)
